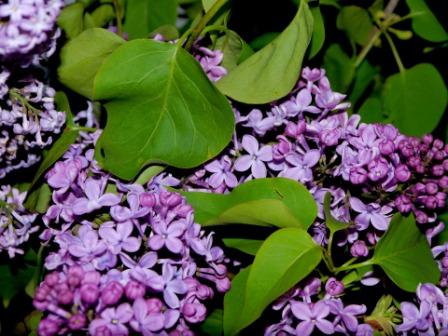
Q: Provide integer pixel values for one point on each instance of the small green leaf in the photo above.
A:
(144, 16)
(62, 104)
(39, 199)
(356, 23)
(272, 72)
(249, 246)
(405, 255)
(234, 302)
(339, 67)
(290, 204)
(207, 4)
(364, 76)
(71, 19)
(82, 56)
(318, 38)
(425, 23)
(232, 47)
(332, 223)
(418, 89)
(103, 15)
(148, 174)
(213, 325)
(285, 258)
(161, 108)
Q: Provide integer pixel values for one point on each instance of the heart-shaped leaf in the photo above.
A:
(272, 72)
(290, 204)
(161, 108)
(285, 258)
(407, 94)
(425, 23)
(405, 255)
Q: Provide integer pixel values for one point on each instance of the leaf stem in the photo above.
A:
(395, 52)
(118, 17)
(203, 22)
(353, 266)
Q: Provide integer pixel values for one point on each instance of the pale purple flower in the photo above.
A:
(372, 213)
(256, 158)
(259, 124)
(301, 103)
(300, 166)
(173, 285)
(347, 314)
(96, 199)
(114, 319)
(415, 318)
(222, 173)
(119, 239)
(167, 234)
(144, 321)
(86, 245)
(311, 316)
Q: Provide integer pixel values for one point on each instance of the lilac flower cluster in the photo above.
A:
(371, 171)
(130, 258)
(28, 121)
(16, 223)
(304, 315)
(429, 316)
(28, 31)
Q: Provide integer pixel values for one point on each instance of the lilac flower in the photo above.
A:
(167, 235)
(346, 314)
(114, 320)
(94, 190)
(300, 169)
(312, 315)
(173, 285)
(371, 213)
(259, 124)
(120, 238)
(414, 318)
(86, 245)
(256, 158)
(144, 321)
(301, 103)
(221, 170)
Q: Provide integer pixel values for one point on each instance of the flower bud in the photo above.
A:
(334, 287)
(359, 249)
(134, 290)
(148, 200)
(89, 293)
(77, 321)
(48, 327)
(112, 293)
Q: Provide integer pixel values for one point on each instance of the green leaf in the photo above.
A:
(148, 174)
(263, 40)
(103, 15)
(356, 23)
(213, 324)
(39, 199)
(290, 204)
(71, 19)
(161, 108)
(63, 105)
(207, 4)
(234, 302)
(318, 38)
(405, 256)
(249, 246)
(371, 111)
(272, 72)
(425, 23)
(364, 76)
(407, 94)
(332, 223)
(144, 16)
(285, 258)
(82, 57)
(232, 47)
(339, 67)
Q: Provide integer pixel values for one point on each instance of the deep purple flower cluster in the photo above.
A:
(27, 30)
(310, 138)
(28, 121)
(130, 258)
(304, 315)
(16, 223)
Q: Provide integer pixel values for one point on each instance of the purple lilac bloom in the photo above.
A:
(123, 262)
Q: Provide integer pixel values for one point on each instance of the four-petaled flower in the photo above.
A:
(256, 158)
(312, 315)
(371, 213)
(94, 190)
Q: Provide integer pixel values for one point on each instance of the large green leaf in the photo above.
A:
(272, 72)
(405, 255)
(371, 111)
(144, 16)
(82, 56)
(356, 23)
(234, 302)
(71, 19)
(425, 23)
(416, 99)
(213, 325)
(290, 204)
(339, 67)
(249, 246)
(285, 258)
(161, 108)
(364, 76)
(318, 38)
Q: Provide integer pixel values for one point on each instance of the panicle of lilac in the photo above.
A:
(16, 223)
(28, 31)
(29, 122)
(129, 258)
